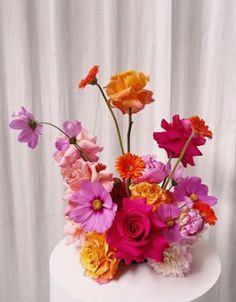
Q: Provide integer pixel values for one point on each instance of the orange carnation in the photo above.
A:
(90, 78)
(199, 127)
(130, 166)
(126, 90)
(206, 212)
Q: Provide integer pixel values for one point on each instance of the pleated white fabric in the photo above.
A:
(188, 47)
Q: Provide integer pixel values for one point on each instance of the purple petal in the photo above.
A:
(32, 143)
(25, 135)
(210, 200)
(194, 184)
(18, 124)
(62, 144)
(72, 128)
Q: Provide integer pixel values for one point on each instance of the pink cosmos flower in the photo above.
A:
(191, 223)
(190, 190)
(155, 171)
(89, 145)
(174, 138)
(95, 210)
(80, 170)
(30, 129)
(136, 232)
(72, 129)
(169, 214)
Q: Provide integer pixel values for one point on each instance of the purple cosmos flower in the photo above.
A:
(169, 214)
(72, 129)
(191, 189)
(95, 210)
(155, 171)
(191, 223)
(24, 120)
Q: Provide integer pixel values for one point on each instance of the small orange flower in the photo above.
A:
(206, 212)
(90, 78)
(130, 166)
(100, 167)
(199, 127)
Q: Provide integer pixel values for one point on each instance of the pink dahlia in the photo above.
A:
(136, 232)
(66, 157)
(169, 214)
(174, 138)
(72, 129)
(191, 189)
(30, 128)
(155, 171)
(95, 210)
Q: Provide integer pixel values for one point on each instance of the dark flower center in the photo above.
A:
(32, 124)
(73, 140)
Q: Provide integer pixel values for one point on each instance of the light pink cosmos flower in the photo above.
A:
(95, 210)
(30, 128)
(89, 145)
(80, 170)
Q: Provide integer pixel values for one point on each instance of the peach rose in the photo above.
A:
(126, 90)
(153, 193)
(97, 258)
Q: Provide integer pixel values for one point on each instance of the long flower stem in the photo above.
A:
(82, 153)
(179, 160)
(114, 118)
(127, 184)
(129, 130)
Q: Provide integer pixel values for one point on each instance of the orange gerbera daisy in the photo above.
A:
(90, 78)
(130, 166)
(199, 127)
(206, 212)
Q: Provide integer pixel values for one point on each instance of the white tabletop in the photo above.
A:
(137, 283)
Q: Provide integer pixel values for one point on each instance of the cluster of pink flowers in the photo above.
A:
(148, 212)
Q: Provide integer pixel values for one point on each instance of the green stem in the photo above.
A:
(129, 130)
(179, 160)
(127, 184)
(82, 153)
(114, 118)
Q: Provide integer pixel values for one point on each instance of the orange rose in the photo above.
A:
(126, 90)
(97, 258)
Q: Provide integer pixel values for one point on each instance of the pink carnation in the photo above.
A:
(174, 138)
(89, 145)
(80, 170)
(136, 233)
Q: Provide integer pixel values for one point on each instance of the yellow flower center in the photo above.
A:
(193, 197)
(170, 222)
(97, 204)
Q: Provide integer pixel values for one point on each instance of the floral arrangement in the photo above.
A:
(149, 212)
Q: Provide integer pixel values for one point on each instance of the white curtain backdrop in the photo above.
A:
(188, 47)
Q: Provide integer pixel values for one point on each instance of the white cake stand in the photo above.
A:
(138, 283)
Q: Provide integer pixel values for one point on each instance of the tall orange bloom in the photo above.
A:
(206, 212)
(90, 78)
(199, 127)
(126, 90)
(130, 166)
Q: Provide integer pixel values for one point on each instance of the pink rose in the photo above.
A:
(135, 233)
(79, 171)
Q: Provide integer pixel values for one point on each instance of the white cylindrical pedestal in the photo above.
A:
(137, 283)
